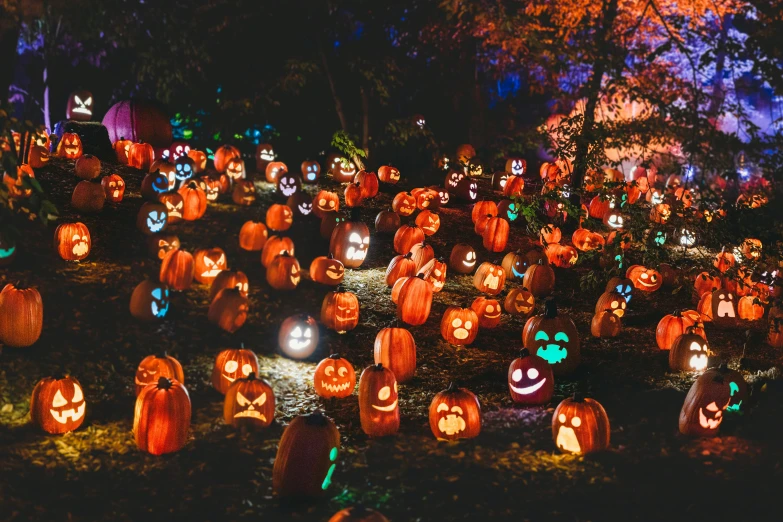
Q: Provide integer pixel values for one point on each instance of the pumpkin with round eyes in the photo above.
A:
(702, 412)
(334, 377)
(311, 171)
(228, 310)
(400, 266)
(530, 379)
(443, 196)
(162, 418)
(279, 217)
(453, 179)
(387, 222)
(520, 301)
(414, 300)
(540, 279)
(459, 325)
(223, 155)
(488, 311)
(643, 278)
(489, 278)
(689, 352)
(298, 336)
(612, 301)
(395, 349)
(428, 221)
(343, 171)
(605, 324)
(378, 408)
(72, 241)
(183, 170)
(455, 413)
(670, 327)
(580, 425)
(249, 403)
(211, 187)
(208, 263)
(324, 202)
(306, 457)
(406, 237)
(114, 187)
(404, 204)
(463, 258)
(195, 201)
(121, 148)
(153, 367)
(434, 272)
(70, 147)
(358, 514)
(340, 311)
(495, 234)
(243, 193)
(57, 405)
(284, 272)
(274, 246)
(388, 174)
(177, 269)
(514, 187)
(288, 185)
(350, 242)
(327, 270)
(253, 236)
(228, 279)
(553, 337)
(232, 364)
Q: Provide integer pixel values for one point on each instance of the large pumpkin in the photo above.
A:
(253, 236)
(580, 425)
(455, 413)
(306, 457)
(702, 412)
(378, 408)
(57, 405)
(349, 242)
(395, 349)
(21, 316)
(141, 156)
(540, 279)
(407, 236)
(670, 327)
(553, 337)
(162, 418)
(138, 121)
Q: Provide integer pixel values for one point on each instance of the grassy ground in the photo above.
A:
(510, 472)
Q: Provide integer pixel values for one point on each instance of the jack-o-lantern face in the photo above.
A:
(530, 379)
(444, 196)
(388, 174)
(232, 364)
(404, 204)
(340, 311)
(288, 184)
(298, 336)
(209, 262)
(463, 258)
(183, 169)
(265, 152)
(153, 218)
(39, 156)
(249, 402)
(644, 279)
(489, 278)
(488, 311)
(72, 241)
(327, 270)
(520, 301)
(378, 409)
(453, 178)
(153, 367)
(58, 405)
(687, 238)
(419, 121)
(211, 187)
(467, 190)
(79, 106)
(428, 221)
(580, 426)
(624, 287)
(554, 338)
(702, 411)
(326, 201)
(459, 325)
(613, 302)
(345, 171)
(499, 180)
(235, 169)
(435, 273)
(179, 149)
(310, 171)
(689, 352)
(244, 193)
(301, 203)
(70, 146)
(334, 377)
(41, 138)
(723, 304)
(114, 187)
(555, 349)
(516, 166)
(174, 204)
(160, 245)
(454, 414)
(614, 220)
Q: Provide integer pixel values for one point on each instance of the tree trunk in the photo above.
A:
(593, 95)
(718, 90)
(9, 37)
(46, 112)
(338, 106)
(365, 121)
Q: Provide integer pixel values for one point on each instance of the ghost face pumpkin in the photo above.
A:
(153, 367)
(334, 378)
(179, 149)
(530, 379)
(702, 411)
(209, 263)
(553, 337)
(79, 106)
(462, 259)
(689, 352)
(724, 306)
(298, 336)
(183, 170)
(455, 413)
(232, 364)
(70, 146)
(459, 325)
(489, 278)
(378, 409)
(288, 184)
(580, 425)
(114, 187)
(249, 403)
(57, 405)
(350, 242)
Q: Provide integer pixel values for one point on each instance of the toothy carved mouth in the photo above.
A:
(266, 157)
(158, 311)
(334, 388)
(355, 255)
(553, 353)
(566, 440)
(212, 272)
(63, 416)
(725, 309)
(72, 150)
(491, 281)
(451, 424)
(711, 424)
(253, 414)
(698, 362)
(517, 171)
(528, 389)
(390, 407)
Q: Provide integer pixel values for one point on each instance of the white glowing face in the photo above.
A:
(357, 249)
(566, 436)
(60, 413)
(725, 305)
(461, 331)
(230, 370)
(492, 279)
(287, 185)
(688, 238)
(250, 406)
(452, 423)
(82, 107)
(174, 209)
(267, 154)
(156, 221)
(384, 394)
(300, 338)
(698, 361)
(532, 374)
(470, 259)
(81, 245)
(517, 168)
(213, 268)
(615, 221)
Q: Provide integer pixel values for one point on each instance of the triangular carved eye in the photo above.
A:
(77, 394)
(59, 400)
(260, 400)
(242, 400)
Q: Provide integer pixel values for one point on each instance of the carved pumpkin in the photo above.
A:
(407, 236)
(162, 419)
(340, 311)
(153, 367)
(463, 258)
(72, 241)
(689, 352)
(223, 155)
(702, 412)
(324, 202)
(459, 325)
(249, 403)
(404, 204)
(284, 272)
(530, 379)
(57, 405)
(70, 147)
(288, 185)
(228, 310)
(434, 272)
(395, 349)
(228, 279)
(334, 377)
(21, 316)
(750, 308)
(113, 187)
(388, 174)
(489, 278)
(350, 241)
(327, 270)
(232, 364)
(455, 413)
(553, 337)
(580, 425)
(605, 324)
(121, 149)
(177, 269)
(643, 278)
(427, 220)
(378, 409)
(520, 301)
(613, 302)
(670, 327)
(274, 170)
(488, 311)
(149, 301)
(174, 206)
(298, 336)
(311, 171)
(275, 246)
(279, 217)
(208, 263)
(358, 514)
(199, 160)
(585, 240)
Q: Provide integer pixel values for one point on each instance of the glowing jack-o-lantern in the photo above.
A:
(516, 166)
(689, 352)
(334, 377)
(306, 457)
(489, 278)
(455, 413)
(378, 408)
(79, 107)
(114, 187)
(72, 241)
(327, 270)
(229, 279)
(249, 403)
(605, 324)
(340, 311)
(284, 272)
(232, 364)
(580, 425)
(152, 218)
(288, 184)
(404, 204)
(301, 203)
(153, 367)
(553, 337)
(434, 273)
(459, 325)
(57, 405)
(463, 258)
(488, 311)
(298, 336)
(69, 146)
(150, 301)
(702, 411)
(228, 310)
(162, 418)
(428, 221)
(520, 301)
(324, 202)
(530, 379)
(612, 301)
(388, 174)
(209, 262)
(311, 171)
(643, 278)
(350, 241)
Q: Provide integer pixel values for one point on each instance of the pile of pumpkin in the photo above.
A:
(551, 341)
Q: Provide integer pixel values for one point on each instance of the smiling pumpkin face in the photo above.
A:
(298, 336)
(553, 337)
(334, 377)
(520, 301)
(644, 279)
(378, 409)
(530, 379)
(232, 364)
(463, 258)
(488, 311)
(702, 411)
(57, 405)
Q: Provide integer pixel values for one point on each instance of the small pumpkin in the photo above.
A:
(459, 326)
(520, 301)
(455, 413)
(249, 403)
(530, 379)
(57, 405)
(113, 187)
(334, 377)
(489, 278)
(149, 301)
(208, 263)
(689, 352)
(87, 167)
(553, 337)
(580, 425)
(21, 316)
(462, 259)
(340, 311)
(279, 217)
(540, 279)
(327, 270)
(228, 310)
(284, 272)
(605, 324)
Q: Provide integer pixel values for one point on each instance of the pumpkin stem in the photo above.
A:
(335, 356)
(420, 276)
(524, 352)
(164, 383)
(550, 308)
(378, 367)
(251, 376)
(452, 387)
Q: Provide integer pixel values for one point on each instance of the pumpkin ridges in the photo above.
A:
(470, 412)
(21, 316)
(395, 349)
(162, 417)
